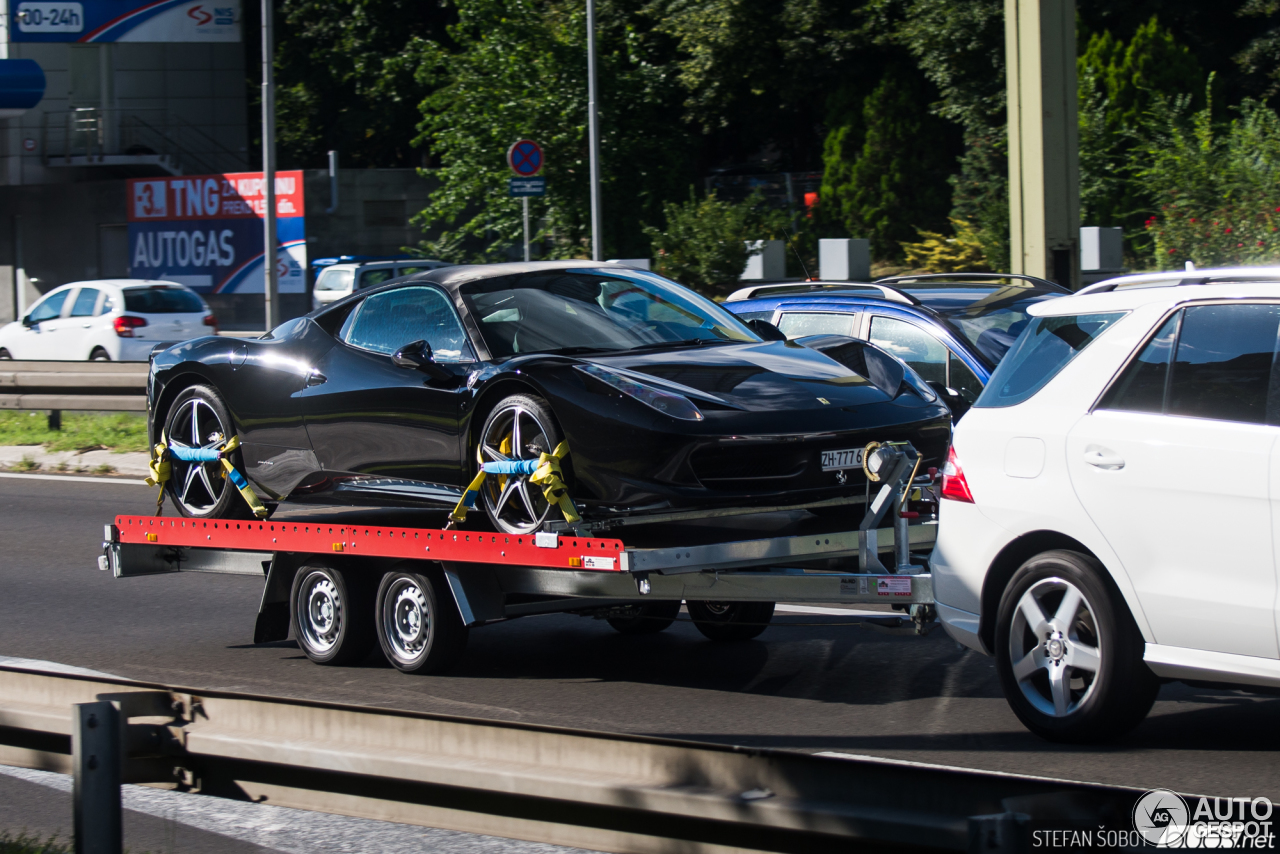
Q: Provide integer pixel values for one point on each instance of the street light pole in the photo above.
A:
(270, 281)
(593, 134)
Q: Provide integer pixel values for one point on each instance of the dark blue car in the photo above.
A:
(951, 327)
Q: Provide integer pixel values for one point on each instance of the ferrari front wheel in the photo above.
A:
(199, 419)
(520, 427)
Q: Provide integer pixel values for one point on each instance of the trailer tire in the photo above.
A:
(649, 618)
(332, 614)
(731, 621)
(418, 624)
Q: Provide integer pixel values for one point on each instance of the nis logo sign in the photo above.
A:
(217, 16)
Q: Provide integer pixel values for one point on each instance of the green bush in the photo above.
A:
(704, 242)
(24, 844)
(1216, 187)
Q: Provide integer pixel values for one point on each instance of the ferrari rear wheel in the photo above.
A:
(520, 427)
(199, 419)
(731, 621)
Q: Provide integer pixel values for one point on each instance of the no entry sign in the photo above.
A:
(525, 158)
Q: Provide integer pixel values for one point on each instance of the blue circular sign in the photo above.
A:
(525, 158)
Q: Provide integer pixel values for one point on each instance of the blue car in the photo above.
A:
(953, 328)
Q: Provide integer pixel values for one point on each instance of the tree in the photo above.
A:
(519, 70)
(1119, 86)
(959, 46)
(887, 164)
(345, 79)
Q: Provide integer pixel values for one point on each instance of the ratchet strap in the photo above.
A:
(162, 469)
(544, 472)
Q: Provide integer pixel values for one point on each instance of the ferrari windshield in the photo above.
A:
(598, 310)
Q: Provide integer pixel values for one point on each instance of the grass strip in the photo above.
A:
(81, 431)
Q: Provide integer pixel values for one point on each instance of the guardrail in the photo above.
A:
(112, 386)
(609, 792)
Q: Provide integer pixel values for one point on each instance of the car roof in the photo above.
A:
(121, 283)
(1137, 291)
(454, 277)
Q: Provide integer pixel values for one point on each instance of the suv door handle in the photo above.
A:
(316, 378)
(1107, 460)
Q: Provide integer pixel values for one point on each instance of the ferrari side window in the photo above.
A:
(386, 322)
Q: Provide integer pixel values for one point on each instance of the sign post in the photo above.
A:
(525, 159)
(271, 282)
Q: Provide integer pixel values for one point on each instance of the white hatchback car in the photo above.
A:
(1113, 494)
(108, 319)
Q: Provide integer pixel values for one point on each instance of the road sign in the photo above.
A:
(525, 159)
(517, 187)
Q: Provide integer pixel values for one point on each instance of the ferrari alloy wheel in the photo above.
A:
(1068, 653)
(332, 614)
(519, 428)
(418, 624)
(731, 621)
(199, 419)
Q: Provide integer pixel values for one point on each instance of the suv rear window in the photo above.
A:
(162, 301)
(1043, 350)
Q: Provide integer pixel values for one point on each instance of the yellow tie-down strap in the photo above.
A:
(544, 472)
(162, 469)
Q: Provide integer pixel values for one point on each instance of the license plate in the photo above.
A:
(838, 460)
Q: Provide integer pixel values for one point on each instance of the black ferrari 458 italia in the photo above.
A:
(667, 402)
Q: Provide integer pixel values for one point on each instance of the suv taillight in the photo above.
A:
(125, 324)
(954, 486)
(211, 320)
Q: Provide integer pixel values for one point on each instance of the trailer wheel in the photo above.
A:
(648, 619)
(419, 626)
(731, 621)
(1068, 652)
(332, 614)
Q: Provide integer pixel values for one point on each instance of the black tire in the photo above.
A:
(200, 490)
(5, 355)
(99, 355)
(418, 624)
(648, 619)
(513, 505)
(1092, 684)
(731, 621)
(331, 612)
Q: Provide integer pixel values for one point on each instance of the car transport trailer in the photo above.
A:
(416, 592)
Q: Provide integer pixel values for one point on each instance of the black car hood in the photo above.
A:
(764, 377)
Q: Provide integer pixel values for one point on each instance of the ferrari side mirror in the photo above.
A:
(766, 330)
(952, 398)
(418, 356)
(29, 323)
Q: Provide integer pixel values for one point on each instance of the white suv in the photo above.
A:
(1112, 496)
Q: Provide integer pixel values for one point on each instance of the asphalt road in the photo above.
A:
(848, 687)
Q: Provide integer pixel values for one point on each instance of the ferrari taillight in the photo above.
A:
(954, 485)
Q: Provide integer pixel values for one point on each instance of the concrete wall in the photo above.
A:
(374, 209)
(191, 95)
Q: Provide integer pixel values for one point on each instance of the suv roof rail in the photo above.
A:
(959, 278)
(791, 288)
(1190, 276)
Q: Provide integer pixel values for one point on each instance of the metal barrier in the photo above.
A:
(113, 386)
(609, 792)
